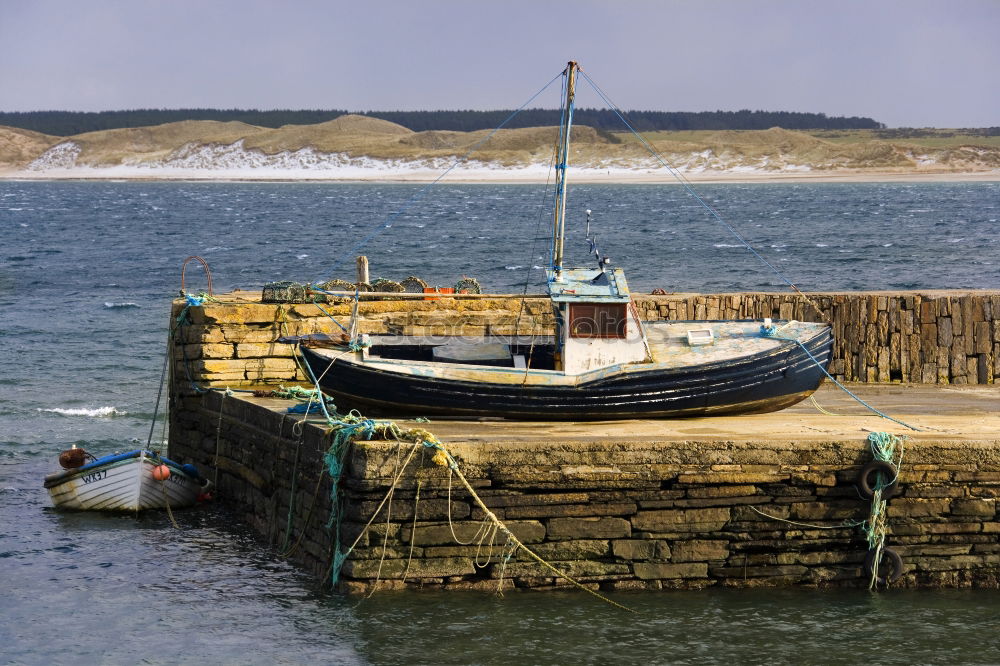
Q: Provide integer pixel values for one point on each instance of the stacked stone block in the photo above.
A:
(616, 515)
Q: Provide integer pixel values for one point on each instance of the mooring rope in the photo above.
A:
(218, 435)
(821, 409)
(875, 527)
(291, 493)
(770, 333)
(444, 458)
(157, 461)
(166, 504)
(413, 531)
(346, 428)
(846, 523)
(388, 524)
(305, 523)
(339, 556)
(883, 446)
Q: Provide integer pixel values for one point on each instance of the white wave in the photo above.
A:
(513, 268)
(727, 245)
(100, 412)
(118, 306)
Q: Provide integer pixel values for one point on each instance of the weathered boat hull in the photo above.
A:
(757, 383)
(123, 482)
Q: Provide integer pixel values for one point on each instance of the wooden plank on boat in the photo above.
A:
(457, 352)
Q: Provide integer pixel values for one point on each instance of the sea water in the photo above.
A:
(87, 271)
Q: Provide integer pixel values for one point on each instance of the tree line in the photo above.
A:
(67, 123)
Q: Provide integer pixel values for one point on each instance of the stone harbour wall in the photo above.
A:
(920, 337)
(616, 515)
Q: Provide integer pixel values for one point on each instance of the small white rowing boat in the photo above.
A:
(129, 481)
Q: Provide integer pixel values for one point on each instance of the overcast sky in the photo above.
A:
(907, 63)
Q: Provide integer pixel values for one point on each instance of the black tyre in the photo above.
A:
(890, 557)
(867, 489)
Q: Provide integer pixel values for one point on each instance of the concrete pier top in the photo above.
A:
(970, 413)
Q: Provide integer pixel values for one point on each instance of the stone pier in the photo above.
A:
(724, 501)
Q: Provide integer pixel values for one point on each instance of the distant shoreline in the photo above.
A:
(508, 177)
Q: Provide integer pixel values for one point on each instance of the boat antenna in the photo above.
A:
(559, 222)
(602, 262)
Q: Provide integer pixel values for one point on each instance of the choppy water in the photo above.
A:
(86, 273)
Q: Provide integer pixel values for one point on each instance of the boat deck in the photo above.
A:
(668, 341)
(942, 412)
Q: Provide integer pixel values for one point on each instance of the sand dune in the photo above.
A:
(359, 147)
(19, 146)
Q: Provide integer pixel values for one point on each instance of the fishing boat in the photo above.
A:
(130, 481)
(602, 363)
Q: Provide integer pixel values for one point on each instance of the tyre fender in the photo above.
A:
(893, 558)
(867, 489)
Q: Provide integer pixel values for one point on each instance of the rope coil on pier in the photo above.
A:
(344, 429)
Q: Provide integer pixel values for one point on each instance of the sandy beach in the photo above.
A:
(500, 175)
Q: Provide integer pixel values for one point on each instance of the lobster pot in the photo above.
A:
(387, 285)
(283, 292)
(468, 285)
(337, 285)
(413, 285)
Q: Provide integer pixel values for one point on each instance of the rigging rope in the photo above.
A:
(691, 191)
(389, 220)
(531, 262)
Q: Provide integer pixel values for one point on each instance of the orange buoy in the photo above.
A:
(72, 458)
(161, 472)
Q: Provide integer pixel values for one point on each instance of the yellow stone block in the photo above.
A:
(217, 351)
(261, 350)
(216, 366)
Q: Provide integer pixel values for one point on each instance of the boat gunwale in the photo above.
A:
(111, 461)
(594, 402)
(543, 377)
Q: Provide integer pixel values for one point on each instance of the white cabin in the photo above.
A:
(596, 324)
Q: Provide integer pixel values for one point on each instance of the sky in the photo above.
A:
(905, 63)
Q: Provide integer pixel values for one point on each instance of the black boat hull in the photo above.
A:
(758, 383)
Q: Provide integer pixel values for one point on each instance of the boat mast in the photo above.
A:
(562, 154)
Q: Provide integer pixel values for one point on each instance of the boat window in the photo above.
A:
(592, 320)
